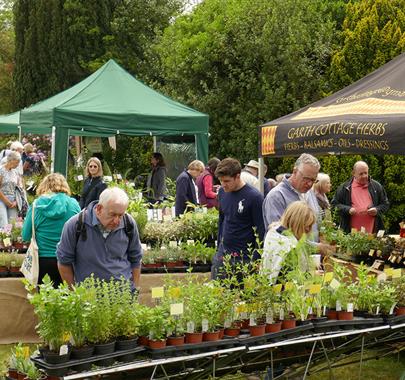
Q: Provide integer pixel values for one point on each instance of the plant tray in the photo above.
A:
(191, 349)
(354, 324)
(395, 319)
(63, 368)
(276, 336)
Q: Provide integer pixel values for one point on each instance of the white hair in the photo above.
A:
(307, 159)
(13, 156)
(114, 194)
(16, 145)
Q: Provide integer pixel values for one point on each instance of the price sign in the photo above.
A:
(397, 273)
(328, 277)
(315, 289)
(157, 292)
(177, 308)
(334, 284)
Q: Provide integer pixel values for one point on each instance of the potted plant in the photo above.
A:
(157, 327)
(400, 292)
(175, 330)
(4, 264)
(143, 316)
(16, 261)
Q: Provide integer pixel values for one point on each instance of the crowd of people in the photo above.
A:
(97, 236)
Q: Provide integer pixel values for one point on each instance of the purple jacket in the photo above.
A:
(209, 202)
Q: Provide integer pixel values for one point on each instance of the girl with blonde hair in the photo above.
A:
(94, 184)
(283, 237)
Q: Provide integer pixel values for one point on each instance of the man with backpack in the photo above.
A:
(102, 240)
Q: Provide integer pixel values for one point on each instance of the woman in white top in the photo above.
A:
(283, 237)
(9, 180)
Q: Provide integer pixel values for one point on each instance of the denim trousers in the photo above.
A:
(6, 214)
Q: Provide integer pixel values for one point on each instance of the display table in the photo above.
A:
(17, 318)
(16, 313)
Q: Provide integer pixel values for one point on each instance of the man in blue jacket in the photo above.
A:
(102, 240)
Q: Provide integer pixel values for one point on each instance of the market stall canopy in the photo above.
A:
(9, 123)
(111, 102)
(366, 117)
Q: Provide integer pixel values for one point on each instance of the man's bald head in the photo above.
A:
(360, 172)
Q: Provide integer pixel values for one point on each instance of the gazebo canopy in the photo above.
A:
(366, 117)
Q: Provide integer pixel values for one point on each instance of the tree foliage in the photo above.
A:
(245, 63)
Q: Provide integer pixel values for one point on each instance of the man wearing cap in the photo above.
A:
(249, 174)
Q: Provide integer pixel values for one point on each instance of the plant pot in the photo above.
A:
(143, 341)
(14, 269)
(12, 373)
(104, 348)
(221, 333)
(245, 324)
(210, 336)
(21, 375)
(232, 331)
(126, 344)
(273, 327)
(82, 352)
(345, 315)
(257, 330)
(288, 324)
(52, 357)
(194, 337)
(400, 310)
(157, 344)
(175, 340)
(332, 314)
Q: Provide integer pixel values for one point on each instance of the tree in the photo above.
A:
(245, 63)
(6, 55)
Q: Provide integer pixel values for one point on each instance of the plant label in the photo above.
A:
(388, 271)
(310, 311)
(334, 284)
(140, 196)
(324, 311)
(349, 307)
(227, 323)
(190, 242)
(177, 308)
(288, 286)
(362, 230)
(396, 273)
(328, 277)
(338, 306)
(7, 242)
(204, 325)
(315, 289)
(378, 310)
(107, 178)
(269, 317)
(243, 315)
(119, 176)
(277, 288)
(380, 233)
(190, 327)
(64, 349)
(144, 247)
(79, 178)
(281, 314)
(173, 244)
(392, 308)
(371, 253)
(252, 320)
(382, 277)
(157, 292)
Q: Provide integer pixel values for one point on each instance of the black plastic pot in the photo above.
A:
(52, 357)
(126, 344)
(82, 352)
(104, 348)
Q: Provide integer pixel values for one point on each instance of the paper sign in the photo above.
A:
(388, 271)
(380, 233)
(315, 289)
(288, 286)
(7, 242)
(177, 308)
(334, 284)
(277, 288)
(328, 277)
(371, 253)
(157, 292)
(396, 273)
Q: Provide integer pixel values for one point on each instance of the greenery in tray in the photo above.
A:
(157, 322)
(399, 285)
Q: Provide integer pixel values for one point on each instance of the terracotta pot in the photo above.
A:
(175, 340)
(400, 310)
(143, 340)
(257, 330)
(232, 331)
(288, 324)
(221, 333)
(210, 336)
(12, 373)
(194, 337)
(157, 344)
(332, 314)
(273, 327)
(14, 269)
(345, 315)
(21, 375)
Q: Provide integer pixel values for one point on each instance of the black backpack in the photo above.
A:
(82, 232)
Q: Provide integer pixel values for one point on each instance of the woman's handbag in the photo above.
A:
(30, 265)
(22, 204)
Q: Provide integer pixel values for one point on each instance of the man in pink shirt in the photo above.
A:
(361, 201)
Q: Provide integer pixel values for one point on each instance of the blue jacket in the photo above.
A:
(185, 192)
(110, 257)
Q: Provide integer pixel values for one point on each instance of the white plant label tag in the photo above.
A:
(243, 315)
(252, 320)
(227, 323)
(269, 317)
(173, 244)
(204, 325)
(281, 314)
(378, 310)
(119, 176)
(190, 327)
(64, 349)
(310, 311)
(338, 306)
(190, 242)
(80, 177)
(392, 308)
(334, 284)
(380, 233)
(324, 311)
(362, 229)
(349, 307)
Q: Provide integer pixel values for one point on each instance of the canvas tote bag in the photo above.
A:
(30, 265)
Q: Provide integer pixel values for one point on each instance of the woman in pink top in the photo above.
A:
(207, 191)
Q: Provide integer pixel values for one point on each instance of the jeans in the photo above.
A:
(6, 214)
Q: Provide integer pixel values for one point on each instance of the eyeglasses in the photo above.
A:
(307, 179)
(93, 166)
